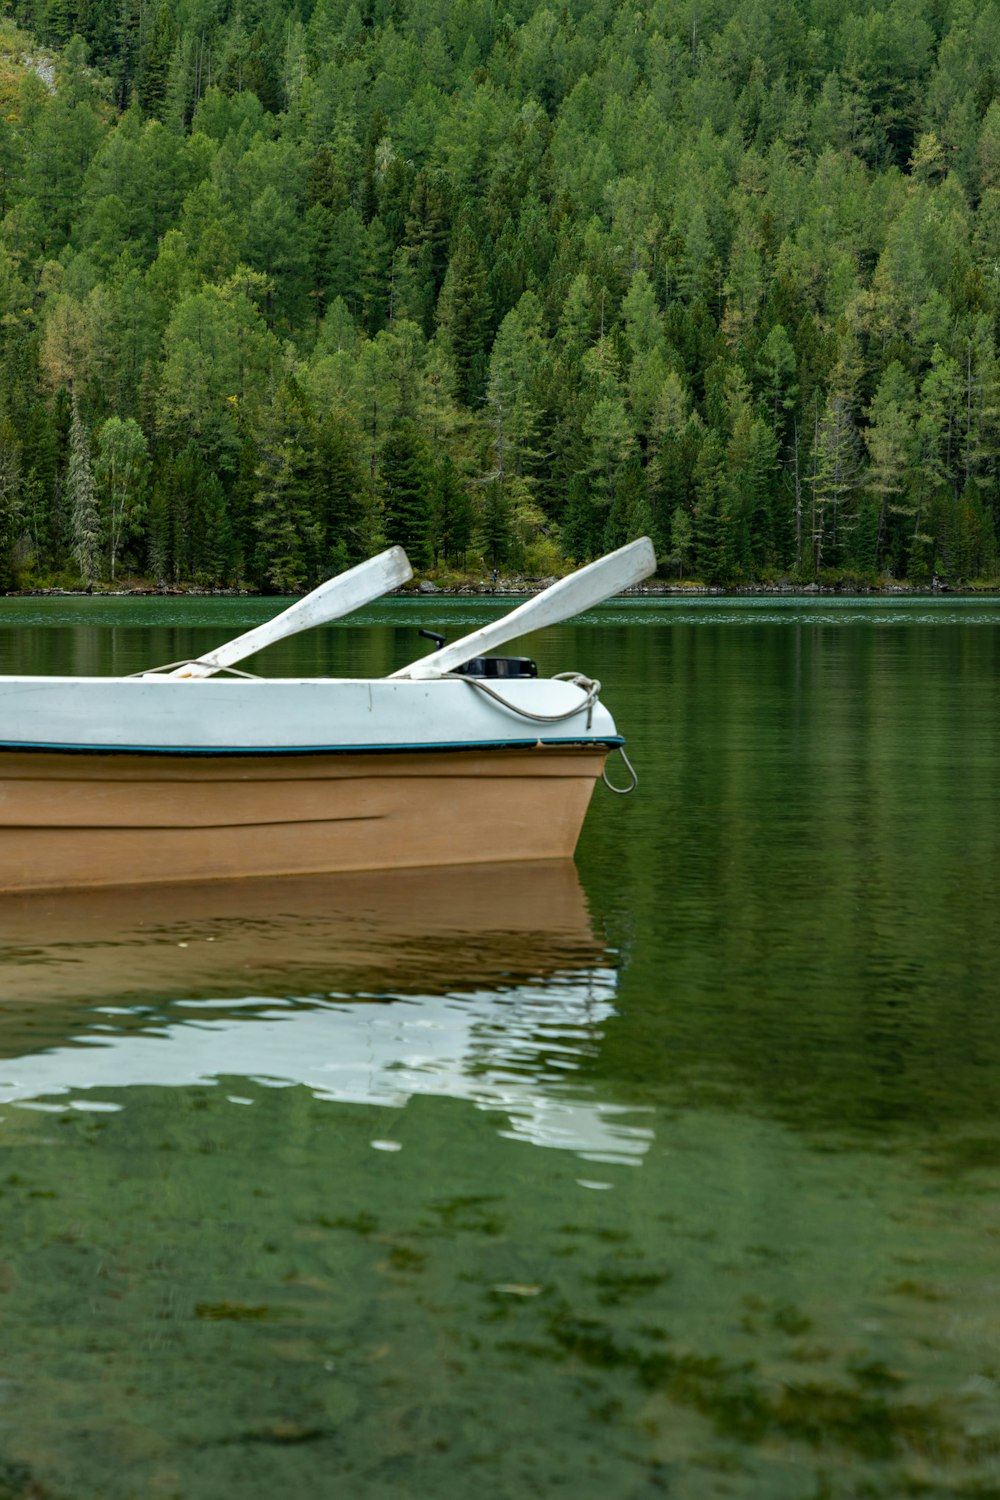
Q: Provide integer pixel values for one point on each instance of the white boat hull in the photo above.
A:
(302, 716)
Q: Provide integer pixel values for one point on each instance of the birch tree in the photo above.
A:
(120, 474)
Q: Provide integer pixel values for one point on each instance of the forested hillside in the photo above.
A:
(506, 282)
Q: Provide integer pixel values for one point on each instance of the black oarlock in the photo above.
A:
(487, 666)
(498, 666)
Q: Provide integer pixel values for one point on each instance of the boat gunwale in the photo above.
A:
(608, 742)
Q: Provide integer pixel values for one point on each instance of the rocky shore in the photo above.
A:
(517, 586)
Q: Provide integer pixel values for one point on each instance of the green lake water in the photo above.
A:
(678, 1174)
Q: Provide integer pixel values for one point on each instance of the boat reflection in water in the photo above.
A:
(484, 983)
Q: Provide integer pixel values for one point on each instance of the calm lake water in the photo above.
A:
(674, 1174)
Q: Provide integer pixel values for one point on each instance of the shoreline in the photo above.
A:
(516, 588)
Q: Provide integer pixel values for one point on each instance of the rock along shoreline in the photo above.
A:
(516, 587)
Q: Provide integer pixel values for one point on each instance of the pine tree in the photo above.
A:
(11, 499)
(85, 522)
(681, 540)
(338, 484)
(378, 127)
(612, 441)
(758, 490)
(451, 514)
(38, 464)
(154, 68)
(127, 49)
(981, 413)
(496, 532)
(511, 392)
(630, 515)
(428, 229)
(405, 485)
(713, 532)
(213, 551)
(261, 74)
(189, 525)
(836, 476)
(890, 440)
(777, 367)
(463, 318)
(288, 530)
(60, 19)
(173, 514)
(582, 522)
(376, 277)
(158, 538)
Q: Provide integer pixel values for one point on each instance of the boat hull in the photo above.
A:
(99, 819)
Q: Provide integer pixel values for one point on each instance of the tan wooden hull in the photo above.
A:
(72, 820)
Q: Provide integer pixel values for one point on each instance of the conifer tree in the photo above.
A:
(512, 387)
(890, 440)
(38, 464)
(154, 69)
(765, 541)
(213, 550)
(11, 501)
(776, 363)
(630, 515)
(713, 535)
(158, 548)
(836, 476)
(681, 540)
(428, 229)
(495, 527)
(288, 532)
(377, 129)
(463, 316)
(580, 522)
(405, 486)
(451, 516)
(338, 485)
(85, 522)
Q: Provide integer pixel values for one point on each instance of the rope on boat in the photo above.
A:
(193, 661)
(588, 685)
(621, 791)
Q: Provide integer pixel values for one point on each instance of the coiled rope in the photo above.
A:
(589, 685)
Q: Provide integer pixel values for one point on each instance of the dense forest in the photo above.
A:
(506, 282)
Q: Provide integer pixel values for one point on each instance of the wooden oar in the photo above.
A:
(582, 590)
(337, 597)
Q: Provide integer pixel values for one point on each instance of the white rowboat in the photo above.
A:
(187, 776)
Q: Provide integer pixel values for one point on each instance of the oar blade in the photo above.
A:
(580, 591)
(333, 599)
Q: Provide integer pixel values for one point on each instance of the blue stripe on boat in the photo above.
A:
(611, 741)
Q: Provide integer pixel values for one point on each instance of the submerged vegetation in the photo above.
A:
(509, 284)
